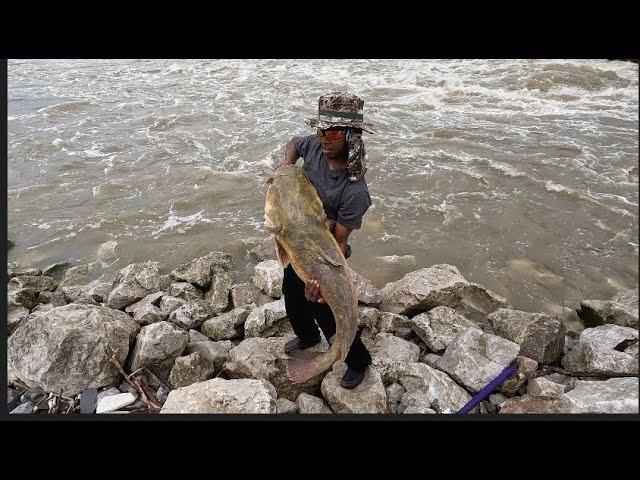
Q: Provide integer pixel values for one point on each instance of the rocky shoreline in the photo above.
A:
(191, 341)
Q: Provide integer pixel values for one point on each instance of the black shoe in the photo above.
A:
(352, 378)
(298, 343)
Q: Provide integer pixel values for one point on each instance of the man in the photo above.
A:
(336, 161)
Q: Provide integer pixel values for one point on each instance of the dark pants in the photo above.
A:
(301, 313)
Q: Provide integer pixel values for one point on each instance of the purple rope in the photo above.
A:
(486, 391)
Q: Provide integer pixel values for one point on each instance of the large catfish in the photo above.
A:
(294, 213)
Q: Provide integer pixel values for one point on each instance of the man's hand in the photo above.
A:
(312, 292)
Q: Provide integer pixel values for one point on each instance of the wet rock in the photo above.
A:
(190, 369)
(525, 366)
(269, 320)
(81, 274)
(265, 358)
(474, 358)
(531, 404)
(615, 395)
(247, 293)
(286, 406)
(229, 325)
(395, 392)
(37, 282)
(217, 297)
(368, 397)
(545, 387)
(133, 283)
(147, 310)
(265, 250)
(268, 276)
(596, 351)
(199, 271)
(24, 409)
(223, 396)
(438, 327)
(308, 404)
(112, 403)
(443, 284)
(540, 336)
(157, 346)
(390, 354)
(68, 347)
(416, 402)
(190, 315)
(107, 251)
(16, 314)
(435, 384)
(622, 310)
(168, 304)
(16, 270)
(56, 270)
(366, 291)
(368, 321)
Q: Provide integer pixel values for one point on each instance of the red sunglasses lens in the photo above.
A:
(331, 134)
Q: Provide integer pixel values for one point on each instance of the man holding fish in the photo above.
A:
(312, 228)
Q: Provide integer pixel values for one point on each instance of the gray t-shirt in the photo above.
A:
(343, 200)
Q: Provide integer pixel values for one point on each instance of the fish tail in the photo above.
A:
(304, 365)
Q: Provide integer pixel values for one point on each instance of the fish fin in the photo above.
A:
(283, 258)
(302, 365)
(321, 255)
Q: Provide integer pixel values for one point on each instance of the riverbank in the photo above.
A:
(191, 341)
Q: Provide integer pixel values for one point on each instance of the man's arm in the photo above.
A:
(342, 234)
(290, 153)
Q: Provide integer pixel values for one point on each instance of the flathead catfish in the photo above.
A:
(294, 213)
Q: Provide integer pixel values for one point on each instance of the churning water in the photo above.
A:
(522, 173)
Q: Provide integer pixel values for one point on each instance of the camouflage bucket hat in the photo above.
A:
(337, 109)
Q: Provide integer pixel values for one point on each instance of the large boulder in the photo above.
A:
(308, 404)
(620, 310)
(437, 285)
(107, 251)
(217, 297)
(269, 320)
(190, 315)
(200, 270)
(615, 395)
(366, 291)
(133, 283)
(157, 347)
(268, 276)
(76, 294)
(368, 397)
(247, 293)
(68, 348)
(56, 270)
(540, 336)
(596, 351)
(147, 310)
(223, 396)
(227, 326)
(265, 358)
(390, 353)
(475, 358)
(213, 354)
(436, 385)
(439, 326)
(535, 404)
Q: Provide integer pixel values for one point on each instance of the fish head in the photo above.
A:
(291, 199)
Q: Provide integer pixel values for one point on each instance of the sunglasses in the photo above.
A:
(331, 134)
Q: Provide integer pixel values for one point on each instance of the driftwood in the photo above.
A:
(134, 383)
(548, 369)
